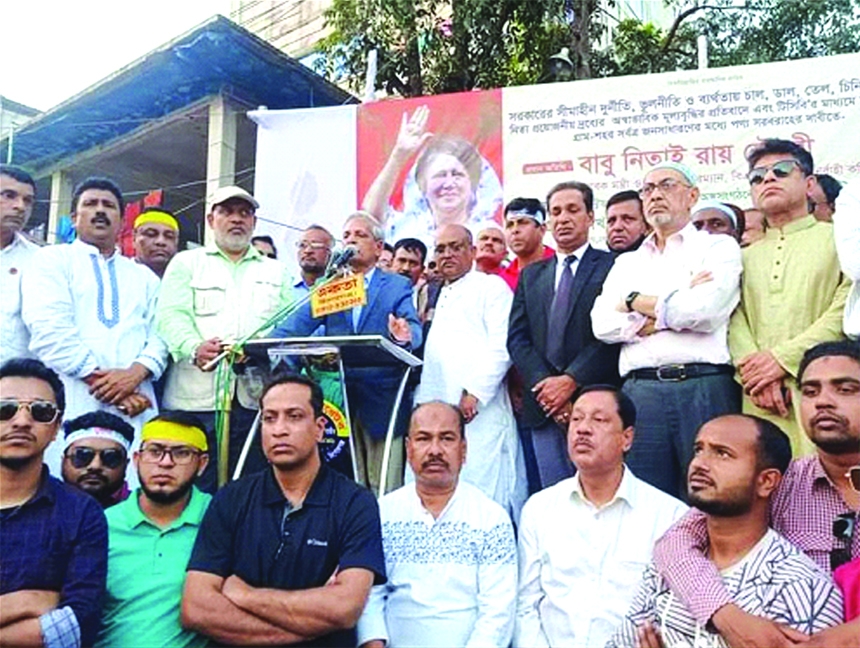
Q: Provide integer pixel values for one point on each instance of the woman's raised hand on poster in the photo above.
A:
(413, 132)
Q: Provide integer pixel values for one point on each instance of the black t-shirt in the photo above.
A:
(250, 530)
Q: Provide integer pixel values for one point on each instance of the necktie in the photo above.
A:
(558, 316)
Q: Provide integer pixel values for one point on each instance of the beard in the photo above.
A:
(732, 504)
(16, 463)
(840, 446)
(169, 497)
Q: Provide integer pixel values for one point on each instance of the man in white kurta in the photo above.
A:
(91, 313)
(450, 555)
(465, 363)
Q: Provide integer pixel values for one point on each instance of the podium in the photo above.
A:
(354, 351)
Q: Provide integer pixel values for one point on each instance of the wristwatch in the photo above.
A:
(628, 301)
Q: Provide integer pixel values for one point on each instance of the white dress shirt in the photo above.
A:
(846, 232)
(580, 565)
(86, 312)
(559, 262)
(14, 261)
(692, 321)
(451, 580)
(466, 350)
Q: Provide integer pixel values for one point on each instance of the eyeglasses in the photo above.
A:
(667, 185)
(853, 477)
(780, 169)
(453, 248)
(304, 245)
(82, 456)
(42, 411)
(843, 530)
(179, 455)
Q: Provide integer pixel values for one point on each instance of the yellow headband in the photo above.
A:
(168, 431)
(156, 217)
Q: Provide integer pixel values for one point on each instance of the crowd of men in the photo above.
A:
(663, 436)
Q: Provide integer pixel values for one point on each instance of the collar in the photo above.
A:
(92, 249)
(626, 491)
(791, 228)
(318, 495)
(19, 241)
(191, 515)
(420, 505)
(579, 252)
(251, 253)
(368, 276)
(819, 476)
(689, 230)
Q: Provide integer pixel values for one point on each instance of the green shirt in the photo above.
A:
(146, 572)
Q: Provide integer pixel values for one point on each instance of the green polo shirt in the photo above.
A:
(146, 572)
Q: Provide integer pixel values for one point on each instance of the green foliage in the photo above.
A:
(434, 46)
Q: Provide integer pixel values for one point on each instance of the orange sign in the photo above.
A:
(339, 295)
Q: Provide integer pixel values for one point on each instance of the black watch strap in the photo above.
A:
(628, 301)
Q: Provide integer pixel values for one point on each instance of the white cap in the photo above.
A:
(226, 193)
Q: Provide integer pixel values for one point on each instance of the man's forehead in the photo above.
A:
(657, 175)
(234, 203)
(566, 196)
(286, 396)
(103, 195)
(96, 443)
(491, 232)
(403, 253)
(625, 207)
(8, 182)
(25, 387)
(829, 368)
(731, 431)
(315, 235)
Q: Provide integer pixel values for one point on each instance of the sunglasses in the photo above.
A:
(780, 169)
(42, 411)
(82, 456)
(843, 530)
(853, 477)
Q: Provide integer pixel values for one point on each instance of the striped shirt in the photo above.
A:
(802, 509)
(775, 580)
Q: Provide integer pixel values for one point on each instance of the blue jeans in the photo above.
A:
(668, 415)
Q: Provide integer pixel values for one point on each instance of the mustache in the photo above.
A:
(100, 218)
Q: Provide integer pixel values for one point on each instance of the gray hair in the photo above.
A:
(370, 220)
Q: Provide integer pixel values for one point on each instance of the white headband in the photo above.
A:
(97, 433)
(722, 207)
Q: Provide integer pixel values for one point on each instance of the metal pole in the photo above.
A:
(352, 455)
(389, 436)
(247, 447)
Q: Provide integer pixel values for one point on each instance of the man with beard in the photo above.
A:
(474, 591)
(150, 537)
(17, 196)
(156, 238)
(91, 315)
(313, 252)
(814, 507)
(738, 463)
(53, 545)
(211, 297)
(668, 304)
(95, 456)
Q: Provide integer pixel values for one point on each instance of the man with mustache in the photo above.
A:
(95, 456)
(313, 253)
(91, 315)
(490, 250)
(793, 292)
(53, 545)
(585, 541)
(151, 536)
(815, 508)
(668, 304)
(17, 196)
(626, 227)
(469, 580)
(211, 297)
(738, 463)
(156, 239)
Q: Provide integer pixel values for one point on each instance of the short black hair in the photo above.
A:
(19, 174)
(180, 417)
(626, 408)
(772, 146)
(624, 196)
(412, 245)
(830, 186)
(460, 418)
(30, 368)
(265, 238)
(388, 248)
(531, 206)
(842, 348)
(290, 378)
(773, 447)
(581, 187)
(102, 184)
(100, 419)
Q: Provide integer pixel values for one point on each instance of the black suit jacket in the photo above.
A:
(588, 360)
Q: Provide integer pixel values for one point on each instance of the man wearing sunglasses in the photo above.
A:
(53, 545)
(792, 293)
(815, 507)
(95, 456)
(151, 537)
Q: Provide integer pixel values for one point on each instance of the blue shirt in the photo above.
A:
(57, 541)
(252, 531)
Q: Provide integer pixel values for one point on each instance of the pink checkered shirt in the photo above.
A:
(802, 510)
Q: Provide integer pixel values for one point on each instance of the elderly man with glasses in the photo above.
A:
(793, 292)
(668, 303)
(815, 507)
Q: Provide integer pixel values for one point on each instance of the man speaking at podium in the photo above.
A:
(388, 312)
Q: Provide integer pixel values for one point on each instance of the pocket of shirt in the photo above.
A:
(208, 299)
(267, 296)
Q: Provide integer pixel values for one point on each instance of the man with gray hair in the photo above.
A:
(388, 312)
(668, 304)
